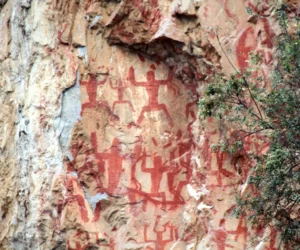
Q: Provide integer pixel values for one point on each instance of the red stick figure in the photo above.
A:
(138, 156)
(152, 86)
(156, 173)
(121, 88)
(114, 162)
(160, 242)
(91, 89)
(159, 168)
(240, 230)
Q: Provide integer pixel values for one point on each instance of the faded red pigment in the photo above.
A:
(152, 86)
(105, 169)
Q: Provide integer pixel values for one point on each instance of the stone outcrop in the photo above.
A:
(101, 146)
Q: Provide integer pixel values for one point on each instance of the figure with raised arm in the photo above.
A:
(152, 87)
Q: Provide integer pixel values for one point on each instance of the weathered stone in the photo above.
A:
(101, 146)
(2, 2)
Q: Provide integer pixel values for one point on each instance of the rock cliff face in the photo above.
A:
(101, 146)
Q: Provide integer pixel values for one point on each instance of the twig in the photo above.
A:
(252, 97)
(239, 73)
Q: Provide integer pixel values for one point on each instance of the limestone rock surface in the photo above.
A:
(101, 146)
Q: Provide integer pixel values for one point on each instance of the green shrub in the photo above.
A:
(244, 103)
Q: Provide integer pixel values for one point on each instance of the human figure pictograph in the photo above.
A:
(156, 172)
(114, 160)
(152, 87)
(160, 242)
(91, 89)
(139, 155)
(121, 88)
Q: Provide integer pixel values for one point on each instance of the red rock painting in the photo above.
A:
(105, 170)
(152, 86)
(120, 87)
(140, 171)
(91, 89)
(164, 234)
(150, 167)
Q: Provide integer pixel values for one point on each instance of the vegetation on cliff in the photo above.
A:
(270, 111)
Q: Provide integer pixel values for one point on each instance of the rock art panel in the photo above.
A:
(101, 146)
(146, 166)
